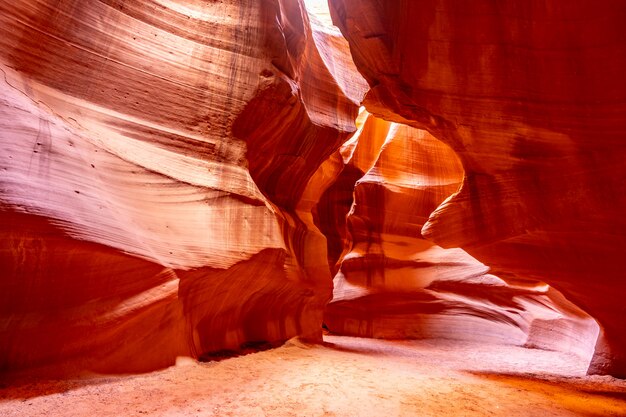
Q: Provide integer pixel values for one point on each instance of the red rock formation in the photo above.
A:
(531, 97)
(153, 155)
(394, 284)
(174, 181)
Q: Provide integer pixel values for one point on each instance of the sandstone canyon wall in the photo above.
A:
(531, 96)
(180, 177)
(153, 154)
(392, 283)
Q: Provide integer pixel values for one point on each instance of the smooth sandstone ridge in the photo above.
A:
(394, 284)
(184, 177)
(152, 157)
(531, 96)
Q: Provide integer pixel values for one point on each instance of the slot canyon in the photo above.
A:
(312, 208)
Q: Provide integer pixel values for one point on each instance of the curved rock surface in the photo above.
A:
(531, 97)
(394, 284)
(152, 156)
(180, 177)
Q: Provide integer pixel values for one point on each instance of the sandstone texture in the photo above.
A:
(531, 97)
(392, 283)
(185, 177)
(153, 155)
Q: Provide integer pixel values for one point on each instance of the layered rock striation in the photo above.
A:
(392, 283)
(152, 156)
(184, 177)
(531, 98)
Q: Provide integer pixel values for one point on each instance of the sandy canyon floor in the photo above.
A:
(344, 377)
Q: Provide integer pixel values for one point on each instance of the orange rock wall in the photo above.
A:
(392, 283)
(153, 154)
(181, 176)
(531, 97)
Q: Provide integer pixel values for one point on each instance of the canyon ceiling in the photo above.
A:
(184, 177)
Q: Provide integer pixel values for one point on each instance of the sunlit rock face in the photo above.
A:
(531, 97)
(180, 177)
(392, 283)
(154, 157)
